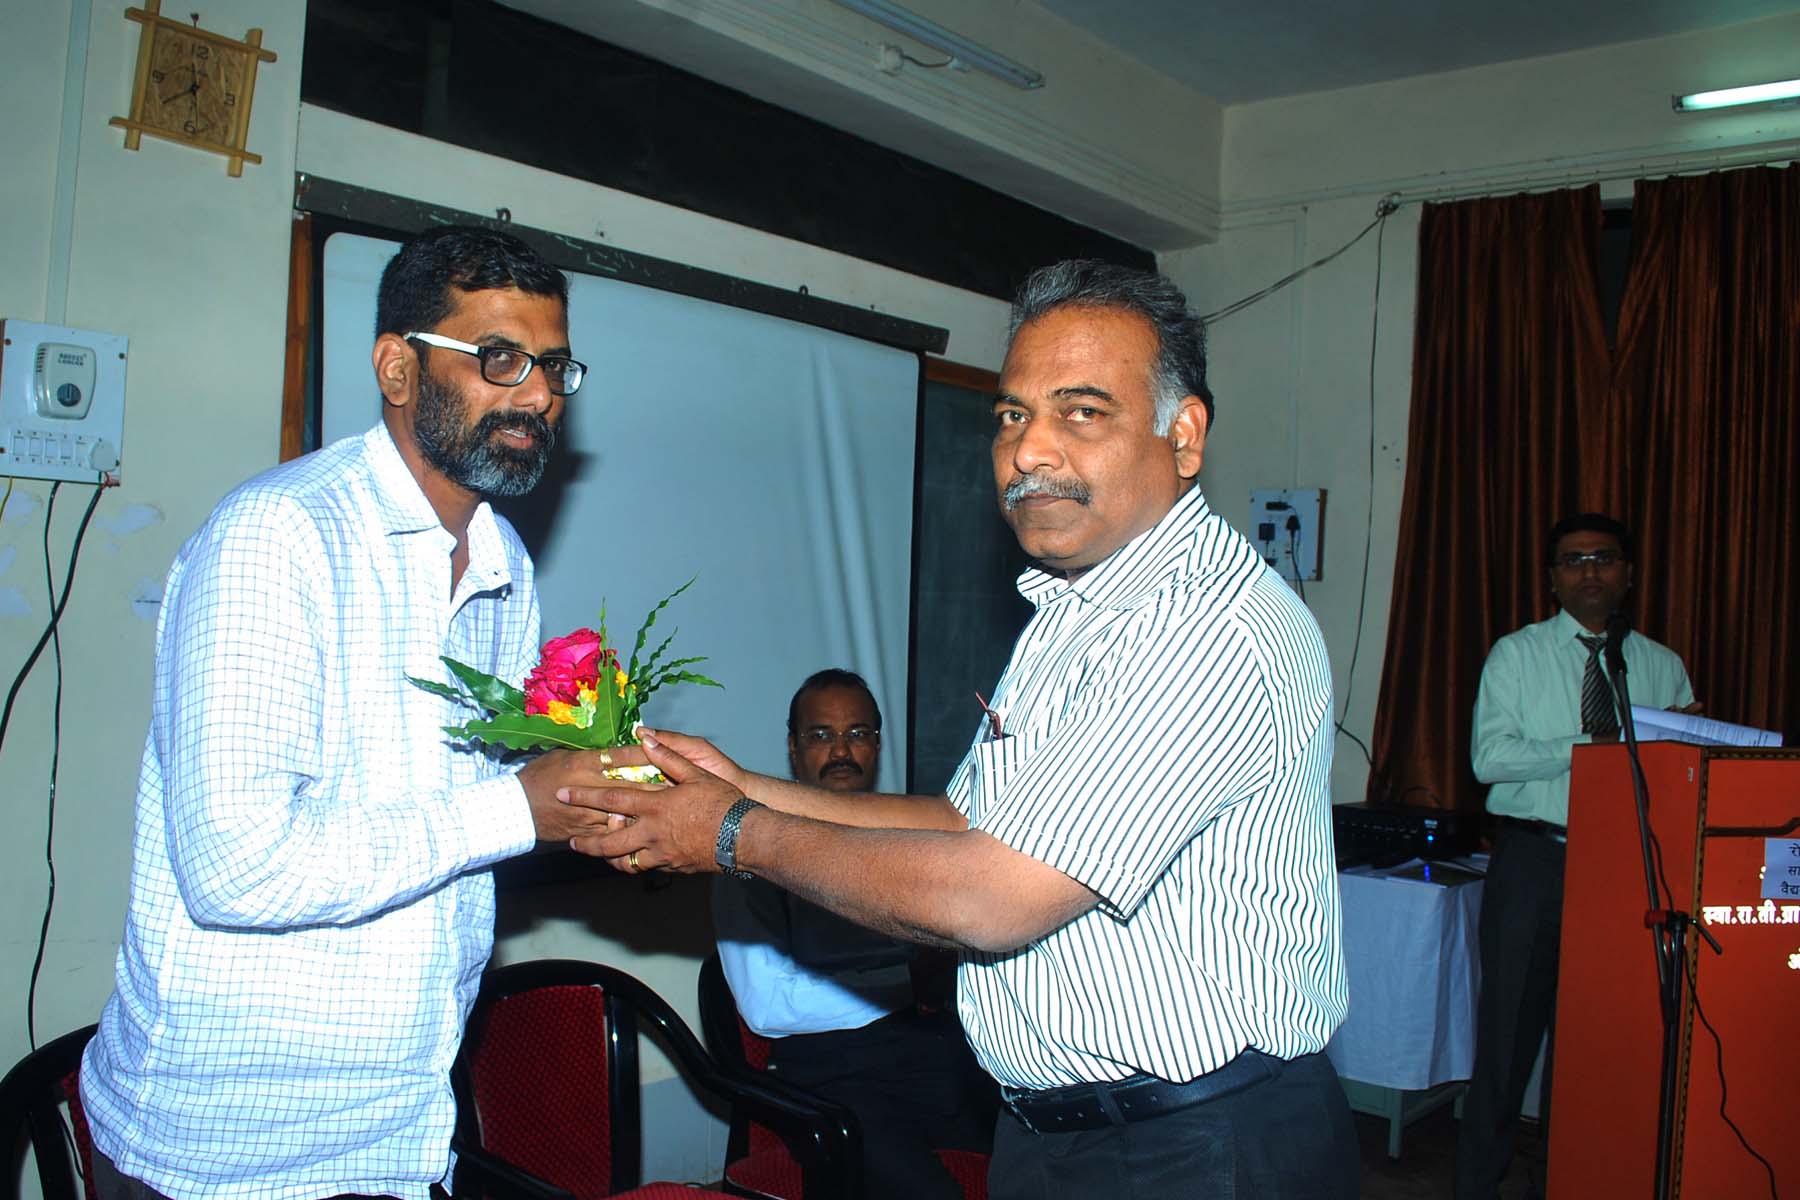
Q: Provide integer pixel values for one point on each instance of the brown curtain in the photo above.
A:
(1702, 451)
(1509, 353)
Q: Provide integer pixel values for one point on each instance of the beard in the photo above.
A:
(470, 455)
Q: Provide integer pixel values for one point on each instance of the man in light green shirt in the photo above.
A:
(1537, 703)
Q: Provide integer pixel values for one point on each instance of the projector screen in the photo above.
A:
(770, 461)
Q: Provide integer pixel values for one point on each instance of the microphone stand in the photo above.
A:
(1668, 928)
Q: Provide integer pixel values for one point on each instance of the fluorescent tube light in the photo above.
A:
(1758, 93)
(963, 52)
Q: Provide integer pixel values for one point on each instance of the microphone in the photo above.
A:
(1617, 626)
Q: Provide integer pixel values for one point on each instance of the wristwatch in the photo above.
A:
(725, 853)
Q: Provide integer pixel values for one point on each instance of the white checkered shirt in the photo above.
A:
(310, 911)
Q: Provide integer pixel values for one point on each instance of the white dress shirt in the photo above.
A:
(310, 909)
(1167, 736)
(795, 968)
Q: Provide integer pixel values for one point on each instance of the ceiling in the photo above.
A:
(1242, 50)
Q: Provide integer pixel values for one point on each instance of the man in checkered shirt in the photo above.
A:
(311, 904)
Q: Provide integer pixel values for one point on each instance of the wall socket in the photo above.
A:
(1287, 525)
(62, 402)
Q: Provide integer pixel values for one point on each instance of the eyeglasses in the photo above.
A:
(1600, 558)
(508, 367)
(856, 735)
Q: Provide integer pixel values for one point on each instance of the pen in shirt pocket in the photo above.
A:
(995, 733)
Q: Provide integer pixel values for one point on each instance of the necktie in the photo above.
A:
(1597, 714)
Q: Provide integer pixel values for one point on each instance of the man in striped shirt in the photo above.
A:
(311, 906)
(1135, 858)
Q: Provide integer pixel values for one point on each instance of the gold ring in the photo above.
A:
(605, 759)
(633, 862)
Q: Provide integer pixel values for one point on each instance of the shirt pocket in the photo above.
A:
(996, 762)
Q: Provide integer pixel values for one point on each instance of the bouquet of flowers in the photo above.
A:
(578, 696)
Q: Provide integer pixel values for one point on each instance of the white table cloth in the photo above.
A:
(1413, 952)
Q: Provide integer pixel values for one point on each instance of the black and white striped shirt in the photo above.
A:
(1167, 740)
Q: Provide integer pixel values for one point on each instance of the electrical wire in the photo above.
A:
(50, 631)
(1384, 208)
(1294, 558)
(37, 961)
(1362, 599)
(1719, 1058)
(1685, 966)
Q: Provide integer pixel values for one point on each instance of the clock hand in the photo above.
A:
(171, 97)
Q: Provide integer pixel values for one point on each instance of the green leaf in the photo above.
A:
(516, 731)
(439, 689)
(650, 663)
(493, 694)
(691, 677)
(608, 709)
(643, 632)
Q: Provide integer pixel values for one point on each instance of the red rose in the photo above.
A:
(567, 662)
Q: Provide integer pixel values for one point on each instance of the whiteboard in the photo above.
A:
(771, 461)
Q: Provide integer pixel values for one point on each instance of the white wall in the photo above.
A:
(1303, 175)
(192, 265)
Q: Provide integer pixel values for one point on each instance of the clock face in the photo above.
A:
(194, 87)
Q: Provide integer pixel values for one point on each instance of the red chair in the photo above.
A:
(37, 1096)
(548, 1091)
(758, 1162)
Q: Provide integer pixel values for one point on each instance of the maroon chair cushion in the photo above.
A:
(540, 1082)
(970, 1170)
(78, 1125)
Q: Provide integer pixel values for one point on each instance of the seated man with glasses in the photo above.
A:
(1543, 692)
(838, 1000)
(311, 904)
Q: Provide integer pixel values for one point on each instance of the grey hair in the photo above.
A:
(1180, 368)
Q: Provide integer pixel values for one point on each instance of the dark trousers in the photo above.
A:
(1289, 1137)
(1521, 939)
(914, 1086)
(109, 1184)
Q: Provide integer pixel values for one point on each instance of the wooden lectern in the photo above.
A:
(1713, 810)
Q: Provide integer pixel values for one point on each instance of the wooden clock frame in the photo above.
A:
(146, 103)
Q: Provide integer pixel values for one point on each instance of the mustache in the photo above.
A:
(1045, 485)
(517, 422)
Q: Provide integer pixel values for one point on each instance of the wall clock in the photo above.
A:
(193, 86)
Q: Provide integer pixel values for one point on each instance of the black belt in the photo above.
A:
(1097, 1105)
(1543, 829)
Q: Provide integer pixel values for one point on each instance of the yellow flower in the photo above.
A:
(587, 693)
(621, 678)
(561, 713)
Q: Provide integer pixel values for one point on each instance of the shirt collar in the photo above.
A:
(403, 505)
(1568, 629)
(404, 508)
(1135, 569)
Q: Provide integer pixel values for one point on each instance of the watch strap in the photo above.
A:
(725, 852)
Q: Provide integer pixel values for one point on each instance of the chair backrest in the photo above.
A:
(34, 1097)
(548, 1076)
(547, 1087)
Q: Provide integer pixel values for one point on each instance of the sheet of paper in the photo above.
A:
(1662, 725)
